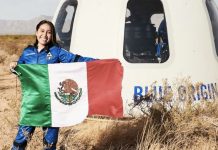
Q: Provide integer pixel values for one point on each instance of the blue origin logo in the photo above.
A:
(203, 91)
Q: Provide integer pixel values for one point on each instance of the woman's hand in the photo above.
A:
(13, 65)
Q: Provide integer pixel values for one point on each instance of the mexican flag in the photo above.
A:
(58, 95)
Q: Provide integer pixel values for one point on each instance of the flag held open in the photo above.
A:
(65, 94)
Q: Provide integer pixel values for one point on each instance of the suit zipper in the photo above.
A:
(37, 58)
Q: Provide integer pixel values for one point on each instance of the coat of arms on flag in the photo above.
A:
(68, 92)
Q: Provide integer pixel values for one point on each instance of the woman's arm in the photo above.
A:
(66, 56)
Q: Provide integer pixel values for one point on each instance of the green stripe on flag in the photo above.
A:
(35, 106)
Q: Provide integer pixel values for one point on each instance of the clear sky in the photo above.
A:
(26, 9)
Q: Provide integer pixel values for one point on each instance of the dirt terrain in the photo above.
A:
(8, 110)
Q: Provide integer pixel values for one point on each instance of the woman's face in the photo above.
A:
(44, 35)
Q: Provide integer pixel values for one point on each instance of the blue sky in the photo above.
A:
(26, 9)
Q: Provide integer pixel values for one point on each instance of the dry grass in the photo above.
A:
(163, 127)
(11, 47)
(192, 128)
(14, 44)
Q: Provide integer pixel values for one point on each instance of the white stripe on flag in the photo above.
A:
(60, 112)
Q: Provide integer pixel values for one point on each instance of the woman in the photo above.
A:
(44, 51)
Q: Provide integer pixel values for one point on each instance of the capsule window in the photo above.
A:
(212, 7)
(64, 23)
(145, 34)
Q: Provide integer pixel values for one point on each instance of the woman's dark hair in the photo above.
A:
(53, 39)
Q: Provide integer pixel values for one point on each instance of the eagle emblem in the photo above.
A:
(68, 92)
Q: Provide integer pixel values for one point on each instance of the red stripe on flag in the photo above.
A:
(104, 87)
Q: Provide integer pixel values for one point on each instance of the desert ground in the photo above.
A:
(194, 128)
